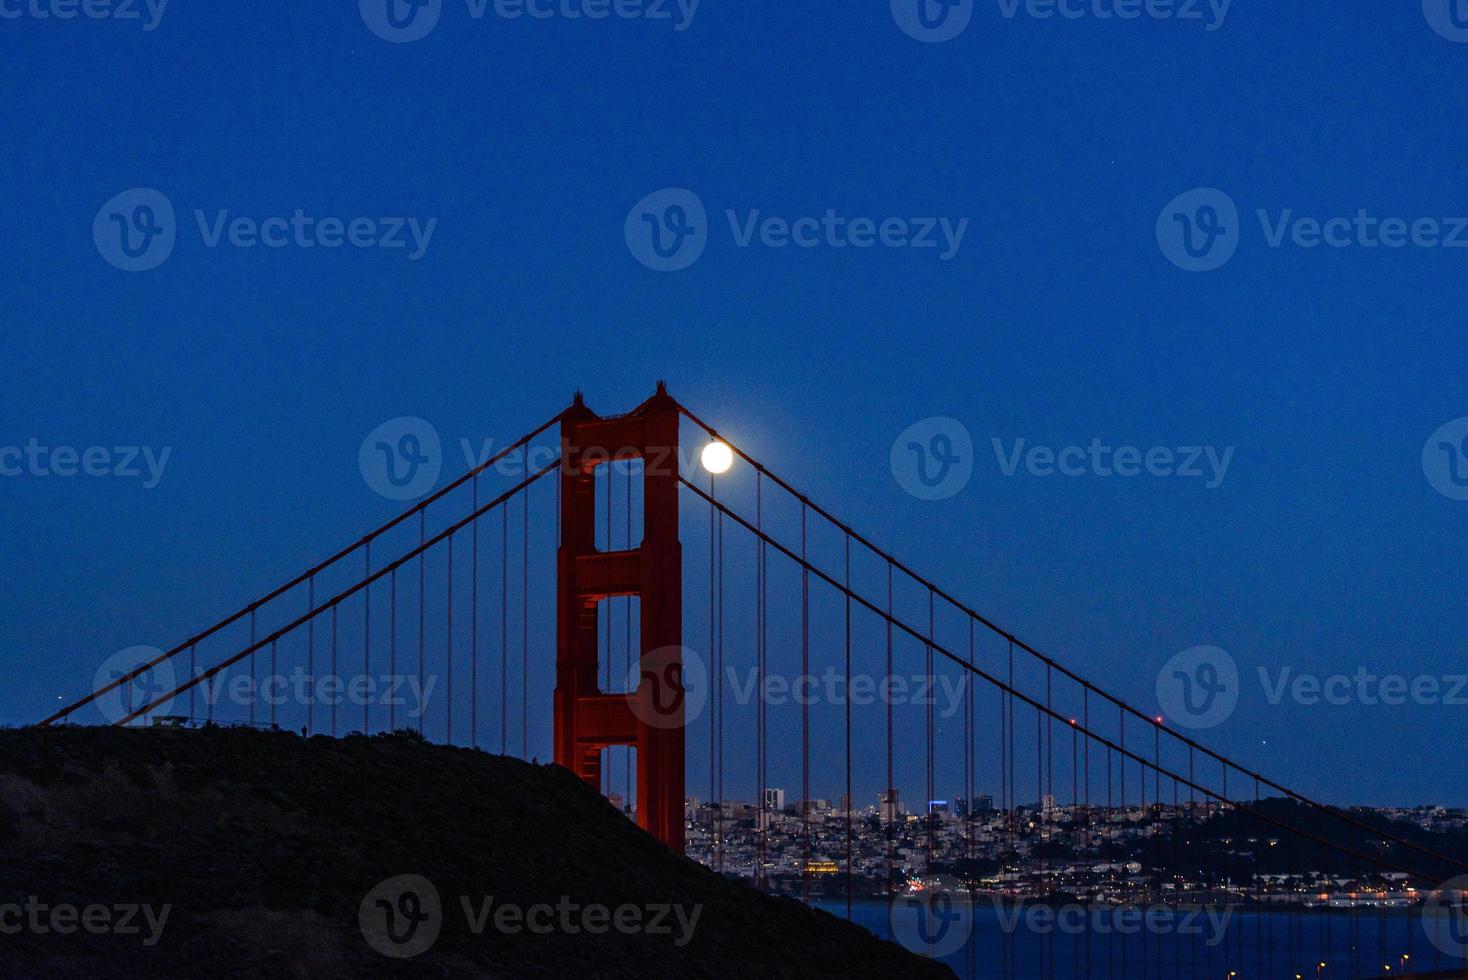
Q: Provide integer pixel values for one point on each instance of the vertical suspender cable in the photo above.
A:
(930, 818)
(847, 699)
(367, 634)
(890, 792)
(713, 827)
(804, 710)
(759, 668)
(311, 655)
(334, 674)
(1090, 884)
(194, 672)
(505, 628)
(718, 692)
(525, 620)
(474, 622)
(392, 649)
(1048, 804)
(1011, 939)
(422, 610)
(1121, 795)
(970, 783)
(449, 652)
(1075, 803)
(253, 688)
(627, 647)
(1044, 825)
(605, 665)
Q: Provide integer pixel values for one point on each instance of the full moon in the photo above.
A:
(717, 457)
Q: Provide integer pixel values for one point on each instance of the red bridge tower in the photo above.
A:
(587, 719)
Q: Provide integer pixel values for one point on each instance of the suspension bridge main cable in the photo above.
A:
(335, 601)
(806, 502)
(1123, 752)
(301, 579)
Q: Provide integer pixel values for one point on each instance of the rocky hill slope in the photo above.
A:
(240, 853)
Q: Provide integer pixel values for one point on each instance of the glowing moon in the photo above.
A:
(717, 457)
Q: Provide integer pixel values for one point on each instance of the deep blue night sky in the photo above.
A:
(1059, 319)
